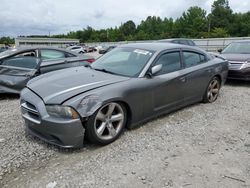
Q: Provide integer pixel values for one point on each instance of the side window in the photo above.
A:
(22, 62)
(27, 54)
(185, 42)
(191, 43)
(170, 62)
(176, 41)
(52, 54)
(192, 59)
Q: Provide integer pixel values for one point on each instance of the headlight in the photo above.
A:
(62, 112)
(245, 65)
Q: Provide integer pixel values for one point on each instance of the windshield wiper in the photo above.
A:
(104, 70)
(88, 66)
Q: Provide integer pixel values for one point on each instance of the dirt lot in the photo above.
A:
(204, 145)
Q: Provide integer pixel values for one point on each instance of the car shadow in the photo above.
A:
(4, 96)
(238, 83)
(86, 145)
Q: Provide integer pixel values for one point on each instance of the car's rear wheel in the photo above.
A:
(106, 124)
(212, 91)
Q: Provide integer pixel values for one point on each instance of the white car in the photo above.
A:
(77, 49)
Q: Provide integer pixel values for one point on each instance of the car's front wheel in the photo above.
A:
(212, 91)
(106, 124)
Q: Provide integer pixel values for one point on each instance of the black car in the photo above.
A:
(106, 49)
(183, 41)
(18, 66)
(123, 88)
(238, 56)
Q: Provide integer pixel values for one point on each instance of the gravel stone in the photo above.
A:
(198, 144)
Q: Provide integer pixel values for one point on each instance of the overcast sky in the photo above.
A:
(33, 17)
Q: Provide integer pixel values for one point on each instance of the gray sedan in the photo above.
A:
(126, 87)
(18, 66)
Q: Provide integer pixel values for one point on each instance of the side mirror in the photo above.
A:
(155, 69)
(219, 50)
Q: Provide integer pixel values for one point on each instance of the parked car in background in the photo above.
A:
(77, 49)
(91, 49)
(188, 42)
(100, 101)
(106, 49)
(18, 66)
(238, 55)
(98, 48)
(2, 49)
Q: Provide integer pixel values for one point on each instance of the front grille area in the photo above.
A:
(30, 112)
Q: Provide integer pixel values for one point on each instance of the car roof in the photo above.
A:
(157, 46)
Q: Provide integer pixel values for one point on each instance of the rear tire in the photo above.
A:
(106, 124)
(212, 91)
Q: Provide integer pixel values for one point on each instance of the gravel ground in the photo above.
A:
(203, 145)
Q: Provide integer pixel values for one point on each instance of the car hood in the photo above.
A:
(236, 57)
(58, 86)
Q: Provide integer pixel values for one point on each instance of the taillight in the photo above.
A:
(90, 60)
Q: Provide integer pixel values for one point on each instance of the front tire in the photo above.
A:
(106, 124)
(212, 91)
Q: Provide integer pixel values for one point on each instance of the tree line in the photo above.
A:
(193, 23)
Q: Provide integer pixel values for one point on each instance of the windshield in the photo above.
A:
(123, 61)
(237, 48)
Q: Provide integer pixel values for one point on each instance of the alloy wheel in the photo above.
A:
(109, 121)
(213, 90)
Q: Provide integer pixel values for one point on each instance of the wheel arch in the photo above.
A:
(219, 77)
(128, 111)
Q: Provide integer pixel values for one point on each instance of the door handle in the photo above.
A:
(183, 79)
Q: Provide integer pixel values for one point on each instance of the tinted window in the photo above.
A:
(192, 58)
(185, 42)
(23, 62)
(191, 43)
(170, 62)
(52, 54)
(176, 42)
(27, 54)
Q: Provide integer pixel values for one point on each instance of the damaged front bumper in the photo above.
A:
(61, 132)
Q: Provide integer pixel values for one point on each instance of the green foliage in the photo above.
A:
(193, 23)
(7, 40)
(221, 14)
(219, 33)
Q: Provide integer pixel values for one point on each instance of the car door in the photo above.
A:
(55, 60)
(168, 82)
(196, 74)
(16, 71)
